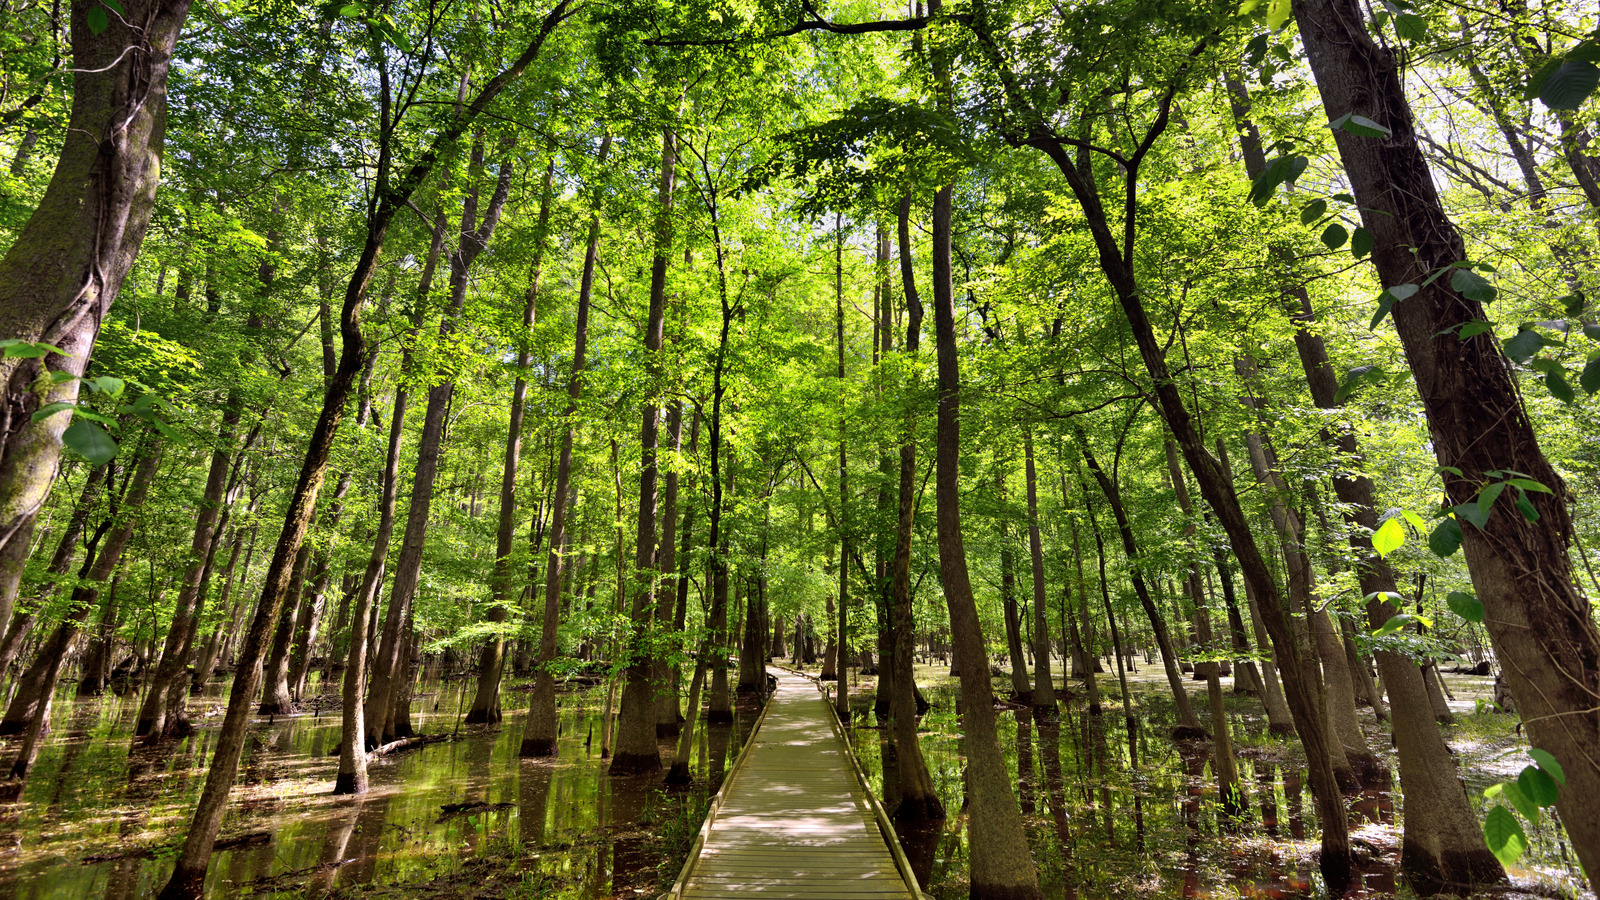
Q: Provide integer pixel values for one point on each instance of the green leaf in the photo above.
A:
(1573, 303)
(1410, 27)
(1403, 291)
(1395, 623)
(1486, 498)
(1414, 520)
(1525, 506)
(1592, 332)
(1569, 84)
(1472, 513)
(1313, 211)
(45, 412)
(1504, 835)
(1537, 785)
(1512, 793)
(1528, 484)
(90, 441)
(1445, 538)
(1589, 380)
(1523, 345)
(1555, 380)
(1360, 243)
(1472, 286)
(107, 384)
(1278, 13)
(1474, 328)
(1465, 605)
(1334, 236)
(1354, 379)
(18, 349)
(1360, 126)
(1279, 170)
(1389, 537)
(97, 19)
(1386, 303)
(1549, 764)
(115, 7)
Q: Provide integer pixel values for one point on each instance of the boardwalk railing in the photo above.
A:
(715, 806)
(879, 814)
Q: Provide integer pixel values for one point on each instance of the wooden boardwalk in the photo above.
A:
(793, 820)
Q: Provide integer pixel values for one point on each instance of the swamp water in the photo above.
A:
(449, 819)
(1100, 827)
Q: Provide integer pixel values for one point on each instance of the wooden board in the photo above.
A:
(794, 823)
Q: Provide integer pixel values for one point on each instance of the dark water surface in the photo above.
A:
(98, 820)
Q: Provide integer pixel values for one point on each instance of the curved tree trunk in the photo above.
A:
(1188, 723)
(61, 275)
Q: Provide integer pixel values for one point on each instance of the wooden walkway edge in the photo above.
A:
(794, 818)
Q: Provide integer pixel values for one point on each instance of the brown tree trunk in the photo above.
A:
(1188, 723)
(474, 237)
(1044, 690)
(1223, 764)
(61, 275)
(1539, 623)
(919, 800)
(1001, 865)
(637, 750)
(486, 701)
(539, 732)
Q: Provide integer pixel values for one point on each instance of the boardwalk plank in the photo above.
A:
(794, 823)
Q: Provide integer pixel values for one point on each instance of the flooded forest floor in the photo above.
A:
(464, 817)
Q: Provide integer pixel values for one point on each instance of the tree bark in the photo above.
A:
(1044, 690)
(60, 277)
(486, 701)
(919, 801)
(1538, 621)
(1001, 865)
(539, 732)
(637, 750)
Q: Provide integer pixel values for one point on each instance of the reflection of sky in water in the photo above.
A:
(89, 798)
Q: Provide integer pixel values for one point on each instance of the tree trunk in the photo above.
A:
(61, 275)
(486, 701)
(1539, 623)
(637, 750)
(919, 800)
(539, 732)
(474, 237)
(1021, 687)
(275, 697)
(1044, 690)
(841, 697)
(1188, 723)
(1001, 865)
